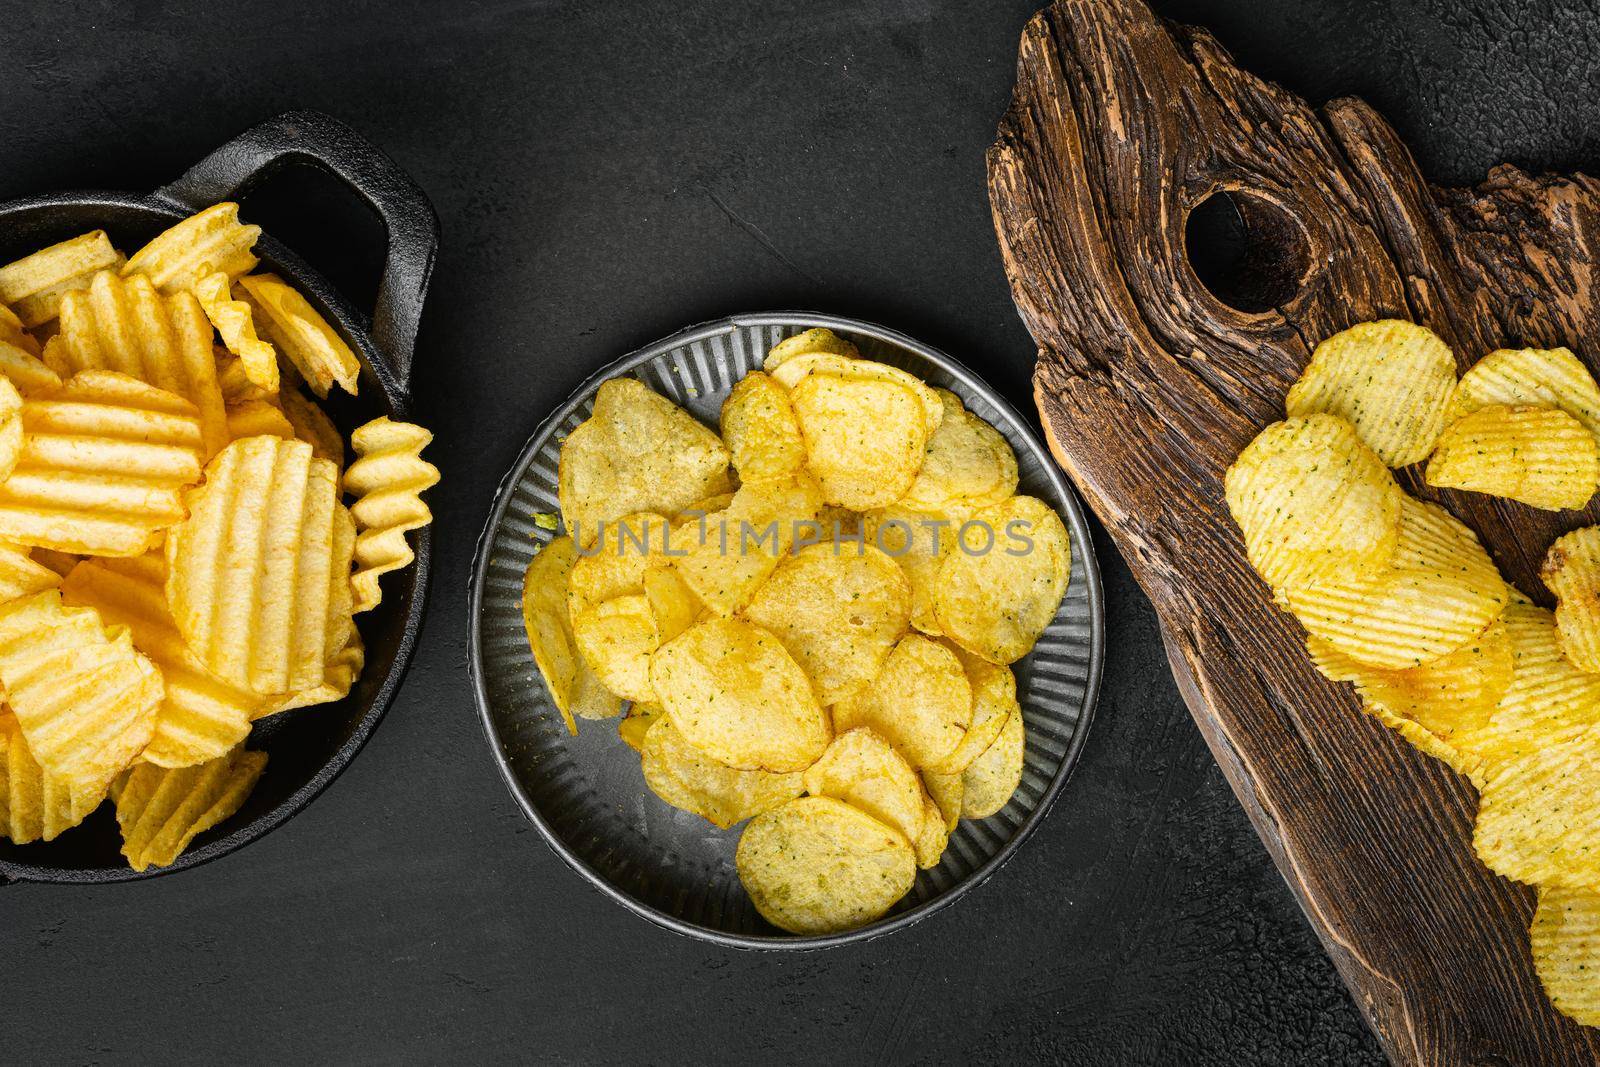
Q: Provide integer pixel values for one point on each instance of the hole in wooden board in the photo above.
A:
(1247, 250)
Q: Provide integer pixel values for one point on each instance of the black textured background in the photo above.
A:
(605, 174)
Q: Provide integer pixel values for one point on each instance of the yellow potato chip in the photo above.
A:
(617, 637)
(549, 626)
(258, 574)
(13, 335)
(10, 428)
(312, 425)
(1004, 578)
(945, 791)
(22, 575)
(687, 778)
(968, 463)
(34, 804)
(126, 326)
(726, 556)
(161, 810)
(994, 696)
(838, 609)
(637, 723)
(1571, 570)
(736, 695)
(304, 337)
(990, 780)
(237, 328)
(1542, 457)
(201, 717)
(1441, 592)
(34, 285)
(797, 368)
(865, 438)
(30, 374)
(919, 541)
(703, 507)
(817, 339)
(59, 562)
(638, 452)
(863, 770)
(387, 479)
(1390, 379)
(1529, 377)
(234, 381)
(341, 674)
(920, 702)
(760, 430)
(253, 418)
(1565, 938)
(86, 700)
(1539, 815)
(817, 866)
(930, 843)
(616, 563)
(105, 461)
(212, 240)
(1312, 501)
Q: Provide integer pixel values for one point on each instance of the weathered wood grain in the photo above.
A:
(1149, 385)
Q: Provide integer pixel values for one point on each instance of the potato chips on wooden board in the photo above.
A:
(177, 560)
(833, 616)
(1399, 598)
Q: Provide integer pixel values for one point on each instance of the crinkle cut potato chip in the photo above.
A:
(920, 702)
(86, 700)
(1565, 938)
(161, 810)
(1539, 816)
(237, 328)
(816, 865)
(1312, 500)
(257, 581)
(726, 556)
(687, 778)
(343, 670)
(968, 463)
(10, 428)
(297, 330)
(34, 285)
(865, 437)
(863, 770)
(638, 452)
(1542, 457)
(34, 804)
(838, 609)
(1441, 592)
(312, 425)
(22, 575)
(1523, 377)
(1391, 380)
(1571, 570)
(817, 339)
(105, 460)
(204, 243)
(760, 430)
(255, 418)
(1004, 579)
(989, 781)
(387, 480)
(30, 374)
(736, 695)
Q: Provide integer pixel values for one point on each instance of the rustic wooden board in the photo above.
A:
(1149, 385)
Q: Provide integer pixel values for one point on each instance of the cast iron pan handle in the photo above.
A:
(313, 138)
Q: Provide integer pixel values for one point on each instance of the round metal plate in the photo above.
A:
(586, 793)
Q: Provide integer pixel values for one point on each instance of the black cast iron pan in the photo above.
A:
(308, 747)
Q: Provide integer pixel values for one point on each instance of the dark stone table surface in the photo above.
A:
(606, 173)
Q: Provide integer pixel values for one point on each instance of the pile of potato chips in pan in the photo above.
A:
(818, 641)
(1400, 598)
(177, 560)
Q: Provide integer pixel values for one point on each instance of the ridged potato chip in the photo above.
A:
(337, 680)
(929, 845)
(22, 575)
(617, 637)
(726, 556)
(1391, 380)
(234, 380)
(968, 463)
(201, 717)
(1529, 377)
(59, 562)
(638, 452)
(11, 428)
(259, 573)
(919, 541)
(86, 700)
(105, 461)
(1571, 570)
(1539, 814)
(126, 326)
(990, 780)
(635, 725)
(34, 285)
(30, 374)
(297, 330)
(1565, 938)
(162, 810)
(1004, 578)
(865, 438)
(387, 479)
(204, 243)
(34, 804)
(994, 696)
(255, 418)
(863, 770)
(312, 425)
(945, 790)
(838, 611)
(920, 702)
(736, 695)
(1313, 501)
(817, 866)
(817, 339)
(760, 430)
(13, 335)
(1542, 457)
(237, 328)
(1441, 592)
(687, 778)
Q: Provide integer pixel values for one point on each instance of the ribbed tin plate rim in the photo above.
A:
(587, 827)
